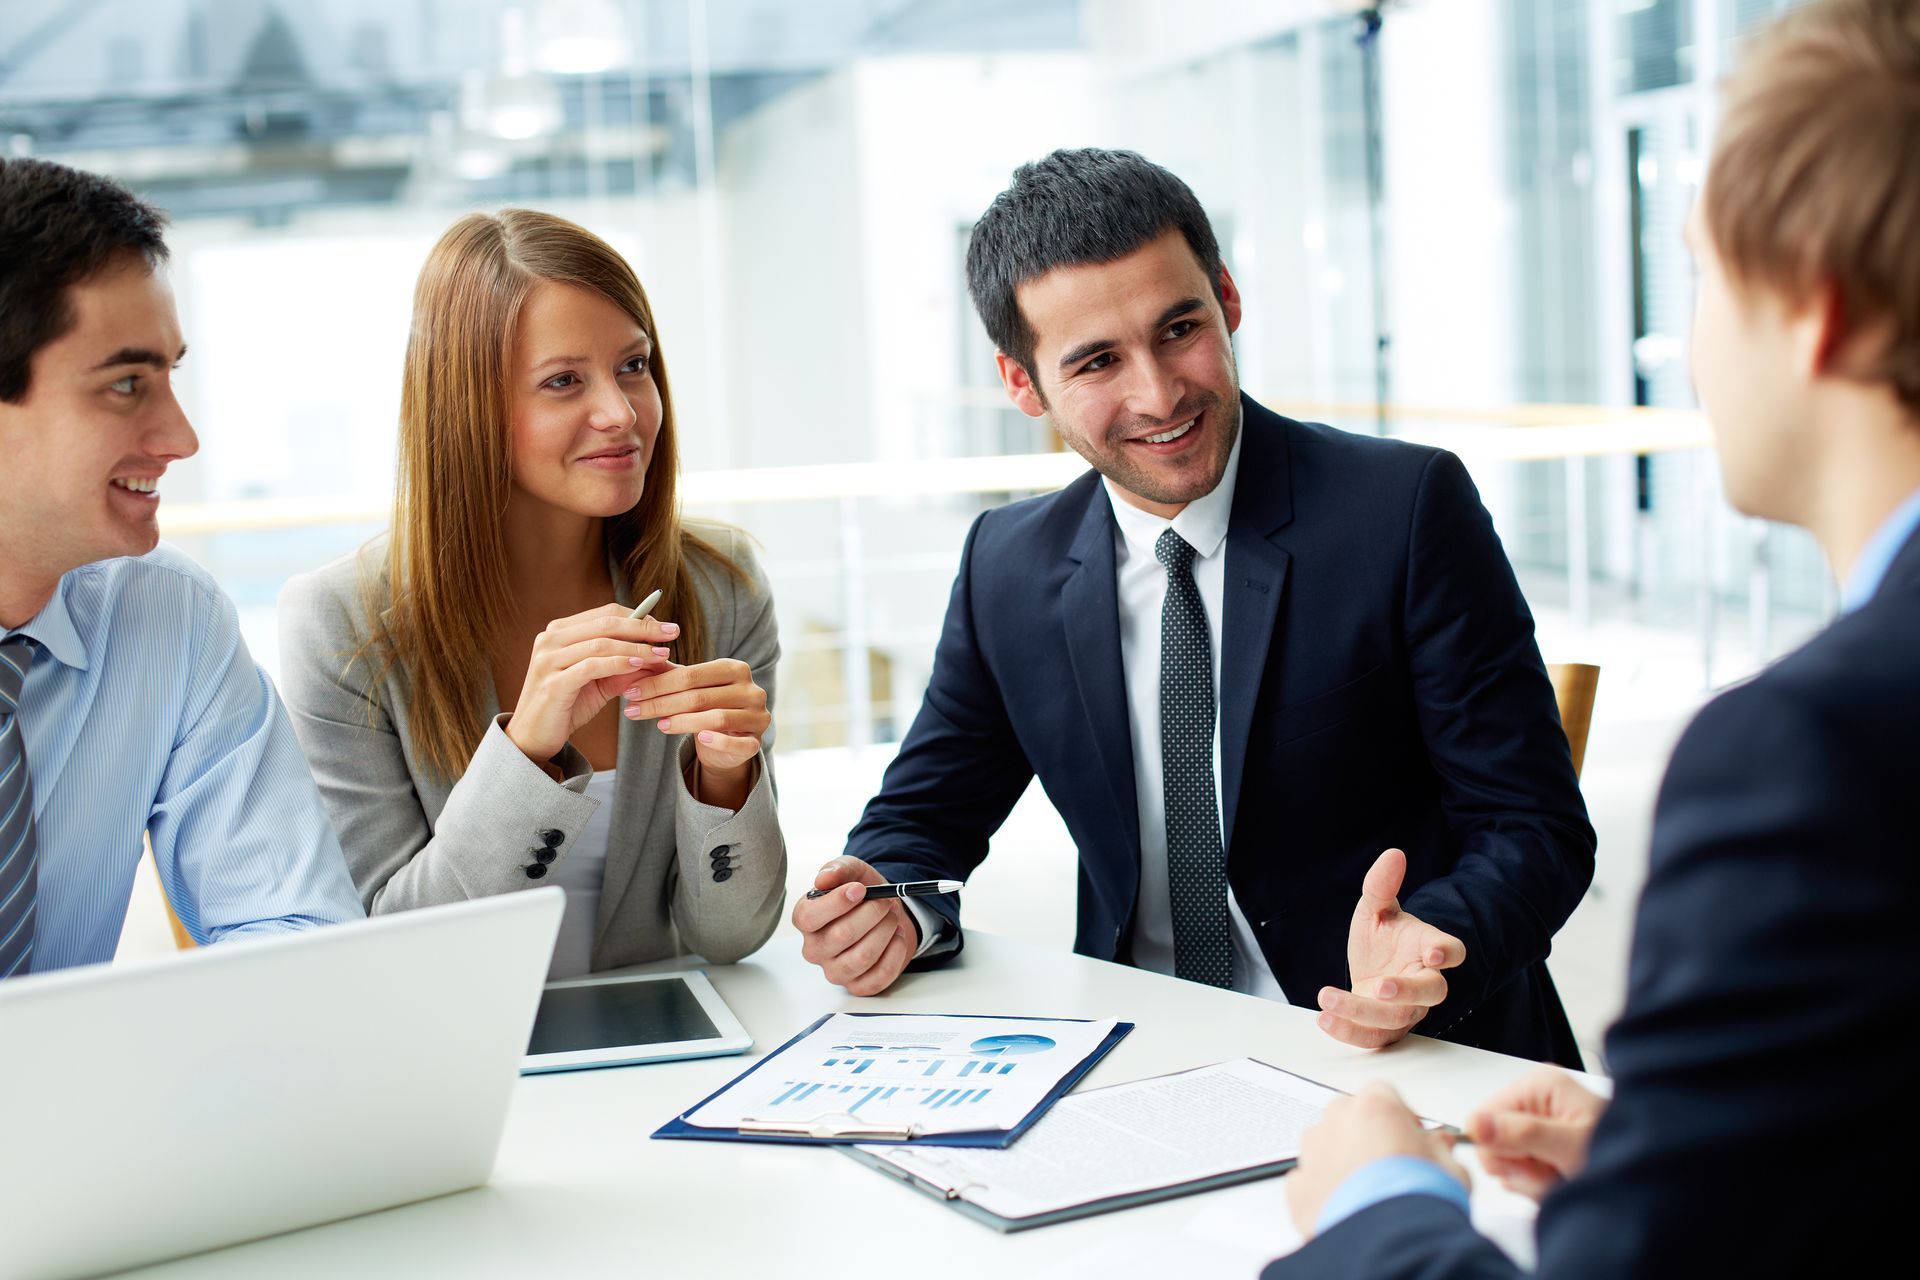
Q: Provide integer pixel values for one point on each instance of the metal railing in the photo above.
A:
(1569, 435)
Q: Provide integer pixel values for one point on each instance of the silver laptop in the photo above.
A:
(257, 1086)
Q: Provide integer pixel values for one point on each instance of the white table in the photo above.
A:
(581, 1190)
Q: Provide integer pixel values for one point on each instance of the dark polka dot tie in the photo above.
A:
(1196, 871)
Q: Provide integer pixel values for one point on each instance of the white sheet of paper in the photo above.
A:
(937, 1072)
(1135, 1137)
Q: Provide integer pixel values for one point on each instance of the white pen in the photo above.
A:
(640, 610)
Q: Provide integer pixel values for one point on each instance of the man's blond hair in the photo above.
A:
(1816, 171)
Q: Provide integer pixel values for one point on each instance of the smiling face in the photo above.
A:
(86, 447)
(1134, 361)
(586, 411)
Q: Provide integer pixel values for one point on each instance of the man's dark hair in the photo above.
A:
(1073, 208)
(58, 228)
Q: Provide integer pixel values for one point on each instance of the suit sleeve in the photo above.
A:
(1523, 849)
(494, 816)
(1765, 995)
(1751, 1065)
(960, 770)
(1408, 1237)
(725, 920)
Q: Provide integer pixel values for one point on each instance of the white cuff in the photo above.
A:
(931, 926)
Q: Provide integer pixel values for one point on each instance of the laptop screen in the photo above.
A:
(618, 1014)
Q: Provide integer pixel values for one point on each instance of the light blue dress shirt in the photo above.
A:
(1878, 555)
(1384, 1179)
(143, 712)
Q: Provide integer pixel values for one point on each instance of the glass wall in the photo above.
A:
(1457, 221)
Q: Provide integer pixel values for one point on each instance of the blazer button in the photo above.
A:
(543, 855)
(722, 874)
(720, 851)
(535, 870)
(553, 837)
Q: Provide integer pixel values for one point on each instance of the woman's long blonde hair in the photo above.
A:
(447, 556)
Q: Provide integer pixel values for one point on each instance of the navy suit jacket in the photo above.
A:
(1764, 1120)
(1380, 687)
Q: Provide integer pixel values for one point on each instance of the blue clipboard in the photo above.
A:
(679, 1128)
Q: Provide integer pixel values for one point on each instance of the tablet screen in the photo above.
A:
(616, 1014)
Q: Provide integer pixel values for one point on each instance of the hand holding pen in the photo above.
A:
(719, 704)
(908, 889)
(578, 665)
(855, 926)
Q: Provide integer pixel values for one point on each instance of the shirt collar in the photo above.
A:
(1870, 570)
(1202, 523)
(52, 628)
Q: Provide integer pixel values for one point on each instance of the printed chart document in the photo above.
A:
(1125, 1144)
(927, 1074)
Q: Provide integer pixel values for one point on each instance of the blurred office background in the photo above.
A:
(1457, 220)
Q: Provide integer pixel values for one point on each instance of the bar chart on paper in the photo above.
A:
(937, 1073)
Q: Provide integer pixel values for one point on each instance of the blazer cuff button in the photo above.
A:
(535, 870)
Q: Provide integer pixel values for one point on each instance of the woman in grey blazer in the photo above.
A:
(480, 710)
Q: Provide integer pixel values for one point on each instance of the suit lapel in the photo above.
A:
(1256, 578)
(1092, 620)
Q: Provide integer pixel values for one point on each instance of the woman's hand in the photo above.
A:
(725, 711)
(579, 664)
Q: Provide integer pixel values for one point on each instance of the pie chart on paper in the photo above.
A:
(1009, 1046)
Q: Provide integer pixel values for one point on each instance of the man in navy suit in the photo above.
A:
(1382, 722)
(1762, 1110)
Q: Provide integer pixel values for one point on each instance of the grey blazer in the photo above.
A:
(681, 876)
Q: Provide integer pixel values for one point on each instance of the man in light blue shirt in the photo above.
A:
(128, 702)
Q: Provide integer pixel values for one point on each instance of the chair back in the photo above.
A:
(182, 940)
(1573, 688)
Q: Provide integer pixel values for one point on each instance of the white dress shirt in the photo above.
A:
(1141, 585)
(1140, 582)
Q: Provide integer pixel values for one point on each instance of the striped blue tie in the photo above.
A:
(17, 871)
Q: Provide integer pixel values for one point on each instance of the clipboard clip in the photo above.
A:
(831, 1126)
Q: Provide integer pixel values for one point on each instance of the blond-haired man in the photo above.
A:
(1762, 1105)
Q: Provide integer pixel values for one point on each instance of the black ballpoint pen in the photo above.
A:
(909, 889)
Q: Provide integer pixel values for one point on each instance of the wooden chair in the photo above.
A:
(181, 938)
(1573, 688)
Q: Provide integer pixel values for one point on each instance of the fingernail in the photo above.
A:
(632, 713)
(855, 892)
(1389, 989)
(666, 724)
(709, 737)
(1326, 1022)
(640, 662)
(670, 628)
(664, 653)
